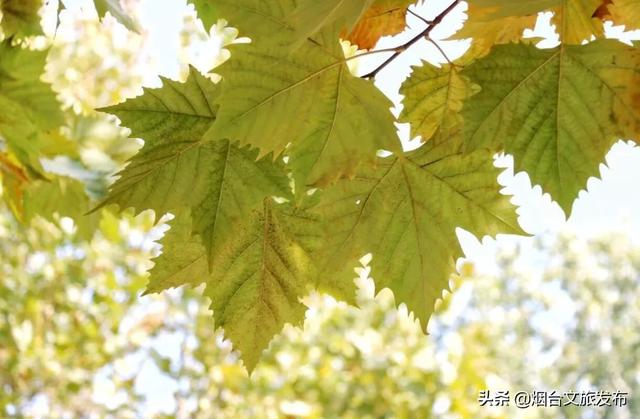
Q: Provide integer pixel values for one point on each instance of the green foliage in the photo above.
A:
(274, 175)
(168, 173)
(557, 111)
(62, 197)
(433, 99)
(258, 280)
(29, 106)
(311, 17)
(412, 205)
(73, 330)
(262, 86)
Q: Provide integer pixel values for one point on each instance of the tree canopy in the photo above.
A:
(284, 168)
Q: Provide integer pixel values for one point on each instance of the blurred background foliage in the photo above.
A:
(77, 340)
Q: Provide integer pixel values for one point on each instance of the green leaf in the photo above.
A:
(207, 12)
(20, 81)
(28, 106)
(259, 278)
(433, 99)
(116, 10)
(183, 260)
(262, 21)
(558, 111)
(177, 170)
(311, 16)
(406, 213)
(308, 99)
(20, 17)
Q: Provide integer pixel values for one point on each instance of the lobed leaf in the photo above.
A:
(406, 211)
(258, 280)
(557, 111)
(433, 99)
(307, 99)
(178, 170)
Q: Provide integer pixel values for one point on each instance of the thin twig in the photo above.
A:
(444, 54)
(428, 22)
(401, 48)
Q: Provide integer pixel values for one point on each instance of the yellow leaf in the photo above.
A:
(14, 179)
(383, 18)
(575, 20)
(625, 12)
(488, 28)
(433, 99)
(493, 22)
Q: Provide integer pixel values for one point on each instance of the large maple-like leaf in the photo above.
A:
(309, 99)
(433, 99)
(20, 17)
(406, 213)
(383, 18)
(558, 111)
(176, 169)
(257, 277)
(260, 276)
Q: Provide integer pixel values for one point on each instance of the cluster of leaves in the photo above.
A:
(29, 122)
(275, 176)
(35, 129)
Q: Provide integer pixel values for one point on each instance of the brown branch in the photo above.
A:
(424, 34)
(428, 22)
(439, 48)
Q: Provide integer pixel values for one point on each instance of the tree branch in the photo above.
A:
(401, 48)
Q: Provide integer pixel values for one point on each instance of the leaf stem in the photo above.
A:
(401, 48)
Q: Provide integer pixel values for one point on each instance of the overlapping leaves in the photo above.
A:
(412, 206)
(265, 84)
(248, 226)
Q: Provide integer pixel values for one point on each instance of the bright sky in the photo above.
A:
(611, 204)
